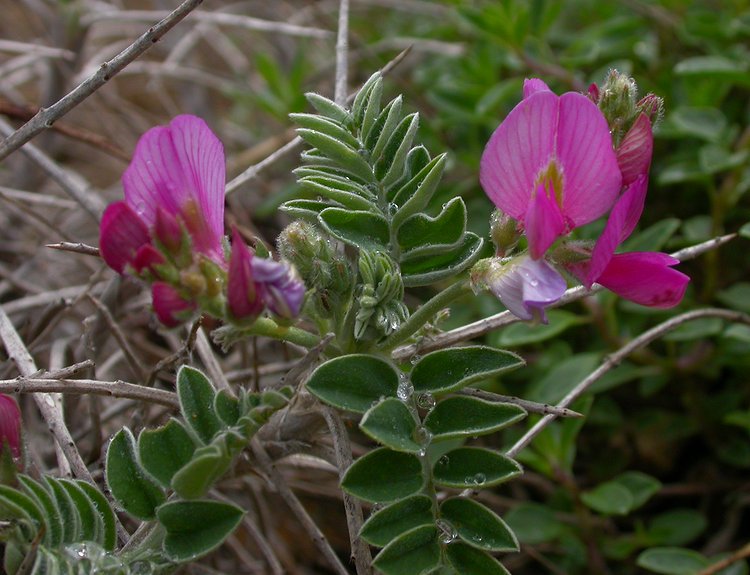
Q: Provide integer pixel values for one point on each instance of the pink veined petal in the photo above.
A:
(517, 151)
(244, 294)
(532, 86)
(121, 234)
(544, 223)
(175, 164)
(10, 424)
(169, 306)
(636, 148)
(147, 257)
(591, 175)
(167, 230)
(646, 278)
(621, 223)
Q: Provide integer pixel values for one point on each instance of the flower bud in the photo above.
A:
(244, 294)
(652, 106)
(618, 103)
(504, 232)
(170, 307)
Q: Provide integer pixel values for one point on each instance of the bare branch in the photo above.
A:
(48, 116)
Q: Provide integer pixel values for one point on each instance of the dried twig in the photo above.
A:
(530, 406)
(48, 116)
(203, 347)
(77, 247)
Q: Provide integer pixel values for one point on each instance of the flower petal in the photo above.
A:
(169, 305)
(10, 424)
(636, 148)
(526, 286)
(284, 291)
(621, 223)
(173, 165)
(646, 278)
(517, 151)
(244, 294)
(121, 234)
(544, 223)
(532, 86)
(591, 175)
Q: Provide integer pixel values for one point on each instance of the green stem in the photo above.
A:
(269, 328)
(424, 313)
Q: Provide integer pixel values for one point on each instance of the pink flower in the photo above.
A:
(175, 180)
(551, 165)
(10, 424)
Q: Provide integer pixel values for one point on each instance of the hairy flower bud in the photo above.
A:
(504, 232)
(617, 101)
(380, 302)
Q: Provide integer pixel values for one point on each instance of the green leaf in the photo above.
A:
(525, 333)
(737, 296)
(16, 505)
(563, 377)
(432, 268)
(702, 328)
(676, 527)
(534, 523)
(422, 235)
(108, 538)
(641, 486)
(414, 196)
(462, 416)
(346, 157)
(717, 67)
(196, 395)
(477, 525)
(364, 230)
(454, 368)
(744, 231)
(652, 238)
(91, 524)
(307, 210)
(609, 498)
(165, 450)
(397, 518)
(198, 475)
(130, 487)
(326, 126)
(329, 108)
(413, 553)
(195, 528)
(384, 475)
(672, 561)
(383, 128)
(367, 103)
(70, 519)
(391, 423)
(390, 166)
(333, 190)
(474, 467)
(227, 407)
(704, 123)
(353, 382)
(467, 560)
(53, 523)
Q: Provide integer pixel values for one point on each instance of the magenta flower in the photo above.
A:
(10, 425)
(551, 165)
(174, 182)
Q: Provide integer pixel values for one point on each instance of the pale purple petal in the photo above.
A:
(121, 234)
(10, 424)
(646, 278)
(175, 166)
(544, 222)
(169, 305)
(526, 287)
(634, 153)
(244, 294)
(621, 223)
(591, 175)
(283, 290)
(532, 86)
(519, 149)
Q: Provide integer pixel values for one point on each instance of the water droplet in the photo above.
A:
(534, 283)
(425, 401)
(476, 479)
(415, 358)
(392, 208)
(447, 533)
(49, 400)
(140, 208)
(405, 389)
(422, 435)
(444, 460)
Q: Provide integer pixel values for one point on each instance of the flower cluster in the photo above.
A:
(169, 231)
(551, 167)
